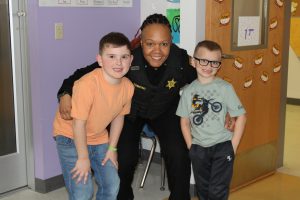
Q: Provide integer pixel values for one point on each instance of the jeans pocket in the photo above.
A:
(62, 140)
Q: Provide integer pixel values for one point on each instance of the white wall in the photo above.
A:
(192, 23)
(293, 90)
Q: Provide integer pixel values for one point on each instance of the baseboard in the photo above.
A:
(293, 101)
(48, 185)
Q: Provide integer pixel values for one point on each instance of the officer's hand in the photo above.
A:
(65, 106)
(229, 122)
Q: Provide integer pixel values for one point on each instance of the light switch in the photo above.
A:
(59, 31)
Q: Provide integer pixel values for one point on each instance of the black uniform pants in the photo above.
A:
(173, 149)
(212, 167)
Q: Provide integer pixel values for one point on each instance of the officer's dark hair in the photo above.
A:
(208, 44)
(114, 39)
(156, 19)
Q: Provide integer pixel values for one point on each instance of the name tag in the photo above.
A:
(135, 68)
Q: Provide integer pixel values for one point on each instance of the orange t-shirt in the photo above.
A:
(97, 102)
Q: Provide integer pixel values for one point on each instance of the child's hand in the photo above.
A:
(112, 156)
(81, 170)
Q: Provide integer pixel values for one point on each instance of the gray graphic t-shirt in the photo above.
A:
(206, 106)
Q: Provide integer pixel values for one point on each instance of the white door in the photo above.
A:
(12, 141)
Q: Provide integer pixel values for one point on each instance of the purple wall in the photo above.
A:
(53, 60)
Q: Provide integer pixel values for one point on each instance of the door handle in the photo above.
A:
(228, 56)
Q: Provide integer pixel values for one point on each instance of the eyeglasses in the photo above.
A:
(204, 62)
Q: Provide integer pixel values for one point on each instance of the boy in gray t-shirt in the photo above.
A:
(202, 108)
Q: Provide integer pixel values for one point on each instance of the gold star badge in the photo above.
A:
(171, 84)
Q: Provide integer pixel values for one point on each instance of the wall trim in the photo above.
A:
(284, 74)
(48, 185)
(293, 101)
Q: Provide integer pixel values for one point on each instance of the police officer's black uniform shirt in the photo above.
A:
(157, 89)
(155, 74)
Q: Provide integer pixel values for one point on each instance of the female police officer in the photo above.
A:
(159, 69)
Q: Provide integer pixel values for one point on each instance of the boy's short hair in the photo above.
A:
(114, 39)
(208, 44)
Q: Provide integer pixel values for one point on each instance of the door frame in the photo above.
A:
(26, 92)
(284, 77)
(29, 147)
(21, 100)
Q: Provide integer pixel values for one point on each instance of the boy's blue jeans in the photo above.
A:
(106, 176)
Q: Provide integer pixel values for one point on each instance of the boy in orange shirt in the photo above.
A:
(100, 98)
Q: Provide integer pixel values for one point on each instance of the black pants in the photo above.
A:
(173, 149)
(213, 168)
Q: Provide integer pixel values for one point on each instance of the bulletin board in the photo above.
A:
(85, 3)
